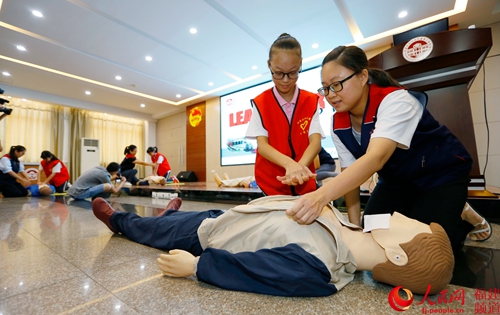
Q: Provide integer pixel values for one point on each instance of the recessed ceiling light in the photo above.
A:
(210, 83)
(402, 14)
(178, 96)
(25, 100)
(193, 30)
(254, 67)
(315, 46)
(143, 105)
(105, 113)
(87, 92)
(118, 77)
(37, 13)
(149, 58)
(21, 48)
(5, 73)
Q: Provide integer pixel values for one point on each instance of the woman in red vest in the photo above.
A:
(55, 171)
(285, 122)
(161, 166)
(381, 127)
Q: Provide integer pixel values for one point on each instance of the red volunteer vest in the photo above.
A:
(164, 167)
(291, 139)
(60, 177)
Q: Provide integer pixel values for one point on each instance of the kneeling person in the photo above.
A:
(96, 182)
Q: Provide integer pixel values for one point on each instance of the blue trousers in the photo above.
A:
(173, 230)
(130, 175)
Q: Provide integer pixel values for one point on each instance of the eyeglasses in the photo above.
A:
(292, 75)
(335, 86)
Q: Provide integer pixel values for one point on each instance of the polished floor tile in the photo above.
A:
(57, 258)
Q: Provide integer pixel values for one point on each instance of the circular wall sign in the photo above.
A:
(417, 49)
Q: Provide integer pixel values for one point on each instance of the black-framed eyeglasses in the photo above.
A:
(335, 86)
(278, 75)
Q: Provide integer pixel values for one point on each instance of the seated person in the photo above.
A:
(96, 182)
(258, 248)
(37, 190)
(247, 181)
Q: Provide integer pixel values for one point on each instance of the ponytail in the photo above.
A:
(13, 150)
(285, 42)
(382, 78)
(129, 149)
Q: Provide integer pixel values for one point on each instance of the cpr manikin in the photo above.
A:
(258, 248)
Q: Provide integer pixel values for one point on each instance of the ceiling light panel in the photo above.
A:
(388, 10)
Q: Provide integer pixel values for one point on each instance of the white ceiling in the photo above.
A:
(81, 45)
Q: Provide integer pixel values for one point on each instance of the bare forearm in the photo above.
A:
(272, 155)
(25, 175)
(348, 180)
(353, 205)
(312, 150)
(48, 179)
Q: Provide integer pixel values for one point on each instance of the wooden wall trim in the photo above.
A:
(195, 140)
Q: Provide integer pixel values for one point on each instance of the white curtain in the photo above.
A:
(40, 126)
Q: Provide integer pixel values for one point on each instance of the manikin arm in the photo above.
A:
(284, 271)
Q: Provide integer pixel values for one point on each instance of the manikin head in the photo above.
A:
(45, 190)
(418, 255)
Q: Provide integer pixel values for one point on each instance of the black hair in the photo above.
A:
(129, 149)
(354, 58)
(113, 167)
(287, 42)
(47, 154)
(152, 149)
(12, 152)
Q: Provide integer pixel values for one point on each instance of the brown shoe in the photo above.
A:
(103, 211)
(174, 204)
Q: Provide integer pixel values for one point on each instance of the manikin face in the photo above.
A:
(285, 61)
(401, 230)
(349, 97)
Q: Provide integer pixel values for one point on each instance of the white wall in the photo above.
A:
(490, 88)
(171, 140)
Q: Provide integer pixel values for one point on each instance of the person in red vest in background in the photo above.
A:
(285, 123)
(56, 172)
(161, 167)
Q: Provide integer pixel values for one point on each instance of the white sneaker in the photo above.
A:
(127, 184)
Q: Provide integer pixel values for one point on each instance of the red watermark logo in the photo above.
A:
(396, 302)
(443, 298)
